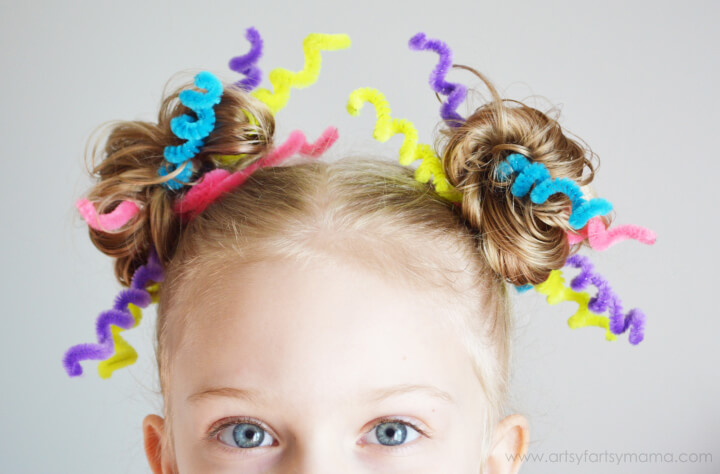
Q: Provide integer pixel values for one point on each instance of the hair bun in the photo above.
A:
(126, 158)
(521, 241)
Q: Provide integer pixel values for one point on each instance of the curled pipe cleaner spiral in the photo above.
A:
(410, 150)
(191, 129)
(283, 80)
(119, 315)
(297, 143)
(545, 186)
(247, 63)
(124, 354)
(601, 239)
(455, 93)
(119, 216)
(556, 291)
(607, 299)
(216, 182)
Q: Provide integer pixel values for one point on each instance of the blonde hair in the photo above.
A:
(365, 209)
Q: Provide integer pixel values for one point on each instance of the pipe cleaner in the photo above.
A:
(283, 80)
(410, 150)
(115, 352)
(124, 354)
(120, 315)
(191, 129)
(295, 143)
(601, 239)
(545, 186)
(219, 181)
(231, 160)
(556, 291)
(607, 299)
(119, 216)
(455, 93)
(247, 63)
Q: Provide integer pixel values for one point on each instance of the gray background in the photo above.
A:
(637, 80)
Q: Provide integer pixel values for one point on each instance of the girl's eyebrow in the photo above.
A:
(251, 395)
(383, 393)
(256, 396)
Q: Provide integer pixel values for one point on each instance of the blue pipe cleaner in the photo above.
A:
(529, 174)
(194, 130)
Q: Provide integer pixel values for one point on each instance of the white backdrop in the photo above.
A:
(637, 80)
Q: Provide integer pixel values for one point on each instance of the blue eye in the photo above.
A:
(393, 433)
(244, 435)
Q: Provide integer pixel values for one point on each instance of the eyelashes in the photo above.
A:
(244, 433)
(397, 428)
(217, 430)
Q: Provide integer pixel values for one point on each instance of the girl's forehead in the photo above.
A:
(330, 325)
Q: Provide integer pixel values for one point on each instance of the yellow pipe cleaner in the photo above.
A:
(410, 150)
(283, 80)
(231, 160)
(556, 291)
(124, 354)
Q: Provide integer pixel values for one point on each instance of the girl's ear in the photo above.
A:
(510, 445)
(154, 433)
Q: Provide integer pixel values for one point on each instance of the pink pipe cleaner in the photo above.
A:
(601, 239)
(110, 221)
(216, 182)
(119, 316)
(606, 298)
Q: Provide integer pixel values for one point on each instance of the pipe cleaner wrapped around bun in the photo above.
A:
(133, 152)
(522, 241)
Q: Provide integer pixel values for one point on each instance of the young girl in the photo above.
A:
(323, 317)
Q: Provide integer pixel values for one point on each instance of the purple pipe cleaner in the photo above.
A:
(119, 316)
(246, 64)
(455, 93)
(606, 298)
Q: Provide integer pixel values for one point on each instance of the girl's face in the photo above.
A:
(329, 368)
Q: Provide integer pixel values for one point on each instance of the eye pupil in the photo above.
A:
(391, 433)
(247, 435)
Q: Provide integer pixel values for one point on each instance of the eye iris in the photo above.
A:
(391, 433)
(247, 435)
